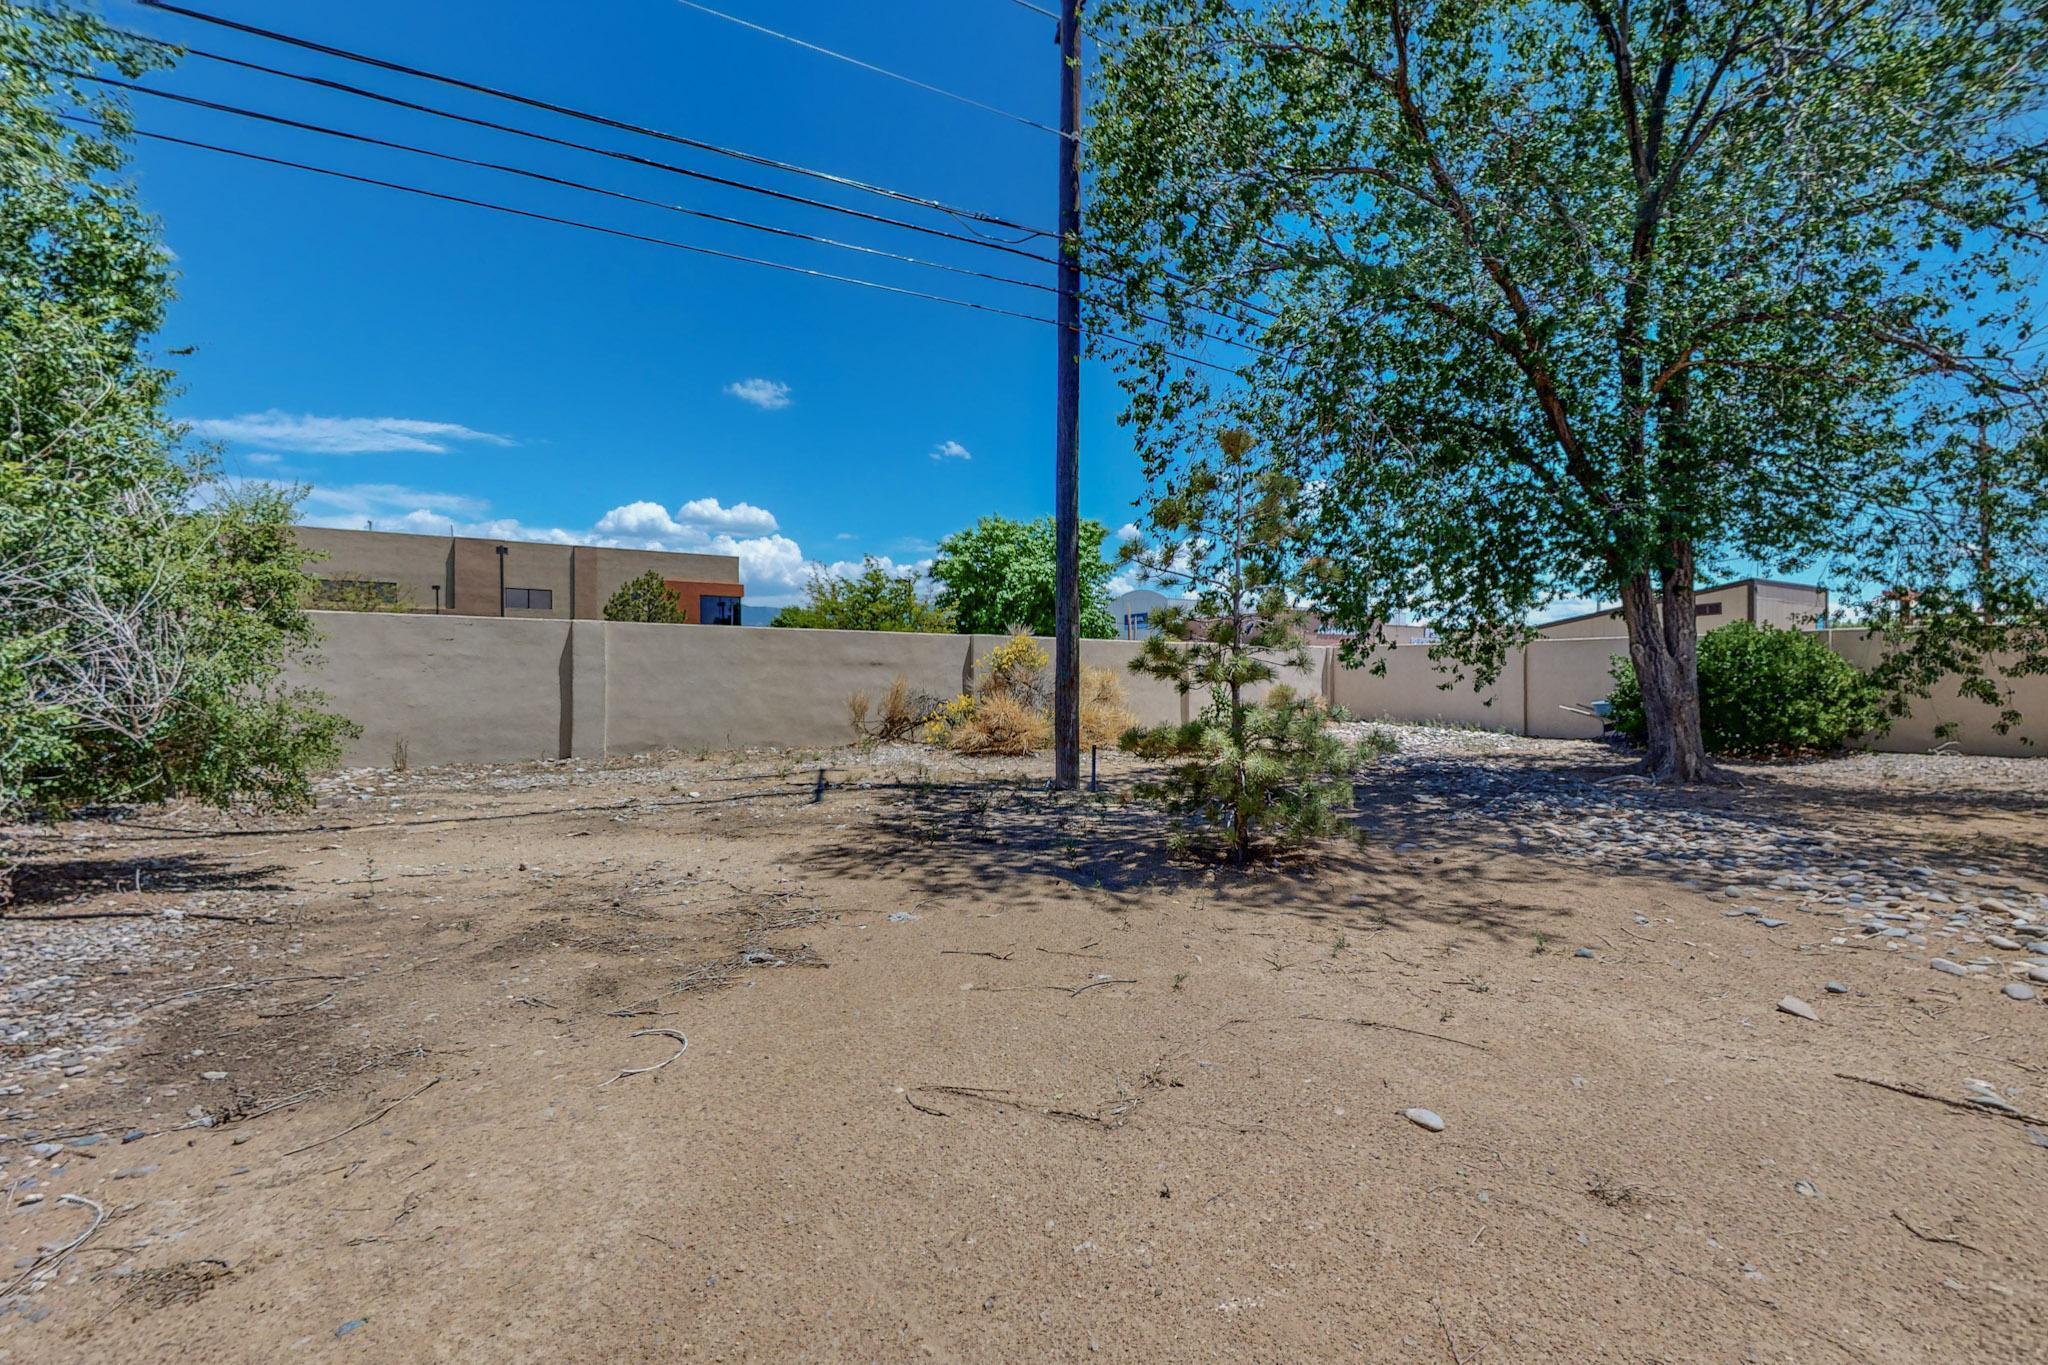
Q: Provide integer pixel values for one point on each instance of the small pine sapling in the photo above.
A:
(1249, 770)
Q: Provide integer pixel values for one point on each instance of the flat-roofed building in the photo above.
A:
(1789, 606)
(469, 576)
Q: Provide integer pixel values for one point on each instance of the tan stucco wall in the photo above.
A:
(456, 689)
(1411, 687)
(477, 689)
(1973, 720)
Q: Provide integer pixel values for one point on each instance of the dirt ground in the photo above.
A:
(975, 1072)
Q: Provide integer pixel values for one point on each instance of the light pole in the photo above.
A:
(501, 580)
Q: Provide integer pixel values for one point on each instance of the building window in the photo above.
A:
(529, 599)
(713, 610)
(1706, 609)
(1140, 620)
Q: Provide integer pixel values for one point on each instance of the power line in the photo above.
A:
(475, 87)
(583, 186)
(670, 243)
(870, 66)
(563, 181)
(629, 157)
(1036, 9)
(968, 216)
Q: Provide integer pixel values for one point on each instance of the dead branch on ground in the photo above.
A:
(1964, 1105)
(368, 1121)
(683, 1046)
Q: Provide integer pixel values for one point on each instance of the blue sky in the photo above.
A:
(420, 363)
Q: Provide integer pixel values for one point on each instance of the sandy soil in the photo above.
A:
(974, 1072)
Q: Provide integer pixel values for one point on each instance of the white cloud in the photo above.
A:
(342, 435)
(392, 507)
(741, 516)
(695, 518)
(951, 450)
(262, 457)
(1129, 531)
(769, 395)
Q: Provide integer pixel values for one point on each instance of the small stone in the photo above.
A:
(1807, 1188)
(136, 1172)
(2018, 992)
(1582, 952)
(1424, 1118)
(213, 1075)
(2011, 945)
(133, 1135)
(1942, 964)
(1767, 922)
(349, 1326)
(1793, 1005)
(1836, 988)
(900, 917)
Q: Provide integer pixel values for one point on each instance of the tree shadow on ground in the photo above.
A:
(50, 880)
(978, 841)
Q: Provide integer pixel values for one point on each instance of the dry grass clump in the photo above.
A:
(1009, 712)
(903, 711)
(1001, 725)
(1105, 711)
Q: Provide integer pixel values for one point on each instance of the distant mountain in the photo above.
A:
(758, 616)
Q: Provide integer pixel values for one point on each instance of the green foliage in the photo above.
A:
(146, 607)
(1558, 297)
(1765, 691)
(647, 599)
(1262, 773)
(1250, 770)
(1956, 564)
(356, 592)
(873, 599)
(999, 575)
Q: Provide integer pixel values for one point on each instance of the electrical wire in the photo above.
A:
(1036, 9)
(966, 216)
(629, 157)
(565, 182)
(475, 87)
(670, 243)
(870, 66)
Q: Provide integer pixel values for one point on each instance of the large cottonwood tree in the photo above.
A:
(1558, 298)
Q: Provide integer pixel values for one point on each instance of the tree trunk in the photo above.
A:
(1663, 643)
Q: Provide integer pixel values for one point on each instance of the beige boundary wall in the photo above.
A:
(483, 689)
(1549, 676)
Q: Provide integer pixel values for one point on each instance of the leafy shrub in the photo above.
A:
(647, 599)
(1764, 691)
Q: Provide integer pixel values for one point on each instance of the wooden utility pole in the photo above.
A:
(1066, 666)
